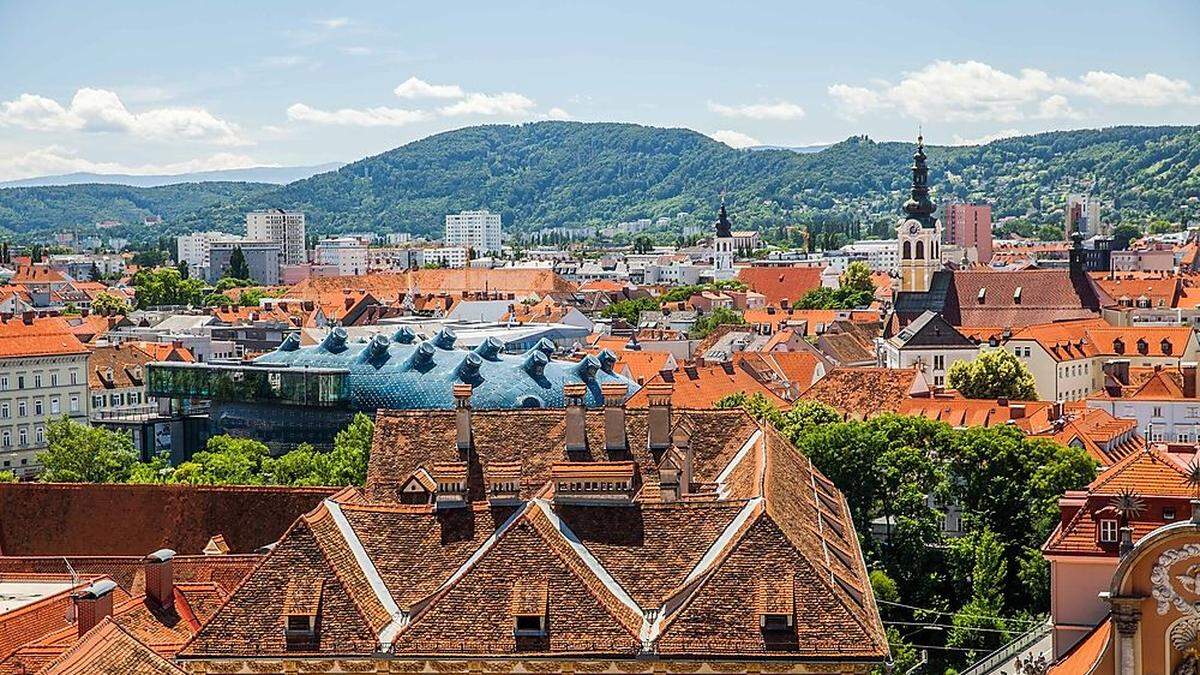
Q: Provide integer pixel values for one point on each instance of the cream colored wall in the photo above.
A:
(1075, 607)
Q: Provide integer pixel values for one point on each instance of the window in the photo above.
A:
(775, 622)
(37, 380)
(37, 408)
(74, 378)
(1157, 411)
(23, 437)
(54, 407)
(74, 404)
(1108, 531)
(54, 379)
(40, 435)
(4, 411)
(529, 625)
(939, 361)
(4, 382)
(6, 439)
(20, 382)
(22, 409)
(938, 380)
(1168, 513)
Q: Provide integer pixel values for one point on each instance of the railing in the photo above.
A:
(1010, 650)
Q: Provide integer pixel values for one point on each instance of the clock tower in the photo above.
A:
(919, 234)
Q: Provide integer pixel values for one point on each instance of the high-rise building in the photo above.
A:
(969, 226)
(919, 233)
(479, 230)
(1083, 214)
(285, 228)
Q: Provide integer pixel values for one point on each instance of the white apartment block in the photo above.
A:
(285, 228)
(447, 256)
(880, 255)
(479, 230)
(194, 249)
(348, 254)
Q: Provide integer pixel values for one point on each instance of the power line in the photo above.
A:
(1030, 621)
(944, 625)
(948, 649)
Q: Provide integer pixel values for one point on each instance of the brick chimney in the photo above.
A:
(160, 577)
(1189, 379)
(93, 603)
(27, 317)
(658, 418)
(1016, 411)
(462, 422)
(614, 416)
(575, 432)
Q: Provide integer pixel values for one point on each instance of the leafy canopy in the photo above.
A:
(995, 373)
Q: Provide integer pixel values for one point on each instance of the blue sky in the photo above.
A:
(151, 87)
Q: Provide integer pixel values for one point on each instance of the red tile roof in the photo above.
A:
(860, 393)
(781, 283)
(702, 387)
(109, 648)
(1086, 654)
(44, 336)
(86, 519)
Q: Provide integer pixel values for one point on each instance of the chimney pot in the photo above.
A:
(614, 416)
(658, 417)
(93, 603)
(160, 577)
(576, 432)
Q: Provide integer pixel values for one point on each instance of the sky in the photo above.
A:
(171, 87)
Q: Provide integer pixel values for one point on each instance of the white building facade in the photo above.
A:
(285, 228)
(348, 254)
(479, 230)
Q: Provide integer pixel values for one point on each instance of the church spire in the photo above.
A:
(919, 207)
(724, 227)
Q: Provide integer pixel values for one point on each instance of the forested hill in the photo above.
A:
(571, 173)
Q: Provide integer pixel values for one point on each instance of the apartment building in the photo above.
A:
(262, 259)
(929, 344)
(43, 376)
(1083, 214)
(194, 250)
(970, 227)
(479, 230)
(285, 228)
(347, 254)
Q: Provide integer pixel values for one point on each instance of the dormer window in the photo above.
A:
(528, 605)
(451, 480)
(593, 483)
(776, 604)
(503, 483)
(1108, 531)
(1143, 346)
(982, 295)
(1118, 346)
(301, 609)
(1017, 296)
(1166, 346)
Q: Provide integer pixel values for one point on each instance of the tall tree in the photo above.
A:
(995, 373)
(80, 453)
(238, 269)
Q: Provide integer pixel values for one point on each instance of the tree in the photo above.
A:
(978, 625)
(108, 304)
(79, 453)
(238, 269)
(857, 277)
(94, 273)
(184, 270)
(995, 373)
(7, 476)
(630, 310)
(225, 460)
(642, 245)
(351, 449)
(1122, 235)
(719, 316)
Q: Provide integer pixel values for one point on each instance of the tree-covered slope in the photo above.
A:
(571, 173)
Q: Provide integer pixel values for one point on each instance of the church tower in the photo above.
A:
(723, 247)
(919, 234)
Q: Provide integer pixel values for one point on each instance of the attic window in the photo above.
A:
(1142, 346)
(1017, 296)
(982, 295)
(1166, 346)
(528, 605)
(1118, 346)
(301, 606)
(776, 603)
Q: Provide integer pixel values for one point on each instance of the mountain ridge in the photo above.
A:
(276, 175)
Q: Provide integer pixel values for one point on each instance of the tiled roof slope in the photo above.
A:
(683, 578)
(109, 648)
(129, 572)
(989, 297)
(702, 387)
(859, 393)
(43, 616)
(47, 336)
(62, 519)
(781, 283)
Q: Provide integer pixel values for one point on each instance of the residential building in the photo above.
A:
(477, 230)
(560, 534)
(1067, 358)
(117, 375)
(1163, 401)
(880, 255)
(746, 241)
(929, 344)
(194, 250)
(347, 254)
(453, 257)
(969, 226)
(1155, 259)
(43, 377)
(262, 259)
(1083, 216)
(285, 228)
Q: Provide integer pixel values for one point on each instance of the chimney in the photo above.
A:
(1189, 379)
(576, 433)
(1118, 369)
(1126, 540)
(614, 416)
(27, 317)
(658, 418)
(93, 603)
(1016, 411)
(160, 579)
(1056, 411)
(462, 408)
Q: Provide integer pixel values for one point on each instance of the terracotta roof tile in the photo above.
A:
(109, 648)
(860, 393)
(781, 283)
(702, 387)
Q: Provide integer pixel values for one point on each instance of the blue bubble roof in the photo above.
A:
(403, 373)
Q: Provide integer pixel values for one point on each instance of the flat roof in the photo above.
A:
(17, 594)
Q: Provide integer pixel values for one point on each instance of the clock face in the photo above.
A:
(914, 228)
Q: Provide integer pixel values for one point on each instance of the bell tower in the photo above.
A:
(919, 234)
(723, 246)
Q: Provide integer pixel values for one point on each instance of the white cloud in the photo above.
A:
(351, 117)
(974, 91)
(986, 138)
(415, 87)
(506, 103)
(334, 22)
(760, 111)
(356, 51)
(100, 110)
(558, 114)
(734, 139)
(53, 160)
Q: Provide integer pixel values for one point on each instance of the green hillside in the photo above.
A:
(571, 173)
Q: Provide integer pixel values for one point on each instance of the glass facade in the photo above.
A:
(321, 387)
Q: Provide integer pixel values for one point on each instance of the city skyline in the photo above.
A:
(143, 88)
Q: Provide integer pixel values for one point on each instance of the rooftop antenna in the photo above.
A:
(70, 614)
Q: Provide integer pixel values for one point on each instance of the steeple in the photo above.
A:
(919, 207)
(724, 227)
